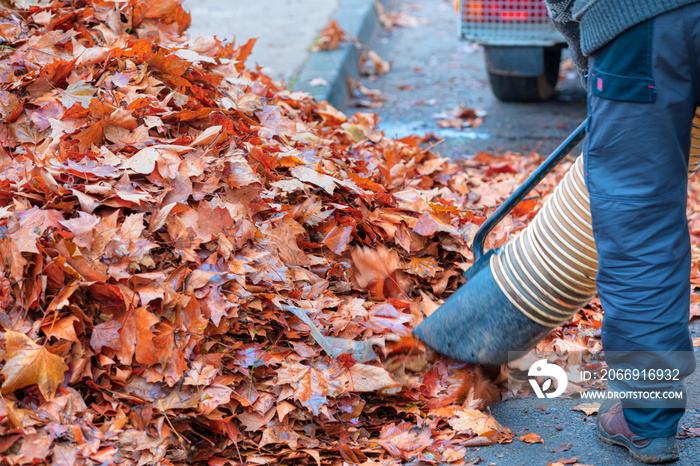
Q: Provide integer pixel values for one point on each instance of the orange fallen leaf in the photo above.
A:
(376, 270)
(587, 408)
(531, 438)
(30, 364)
(476, 421)
(330, 37)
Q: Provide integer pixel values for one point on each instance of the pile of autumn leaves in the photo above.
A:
(199, 267)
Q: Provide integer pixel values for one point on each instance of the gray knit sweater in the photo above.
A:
(603, 20)
(590, 24)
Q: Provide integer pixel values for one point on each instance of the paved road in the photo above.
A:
(577, 430)
(285, 28)
(559, 425)
(430, 58)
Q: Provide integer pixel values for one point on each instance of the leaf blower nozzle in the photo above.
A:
(515, 295)
(479, 323)
(521, 291)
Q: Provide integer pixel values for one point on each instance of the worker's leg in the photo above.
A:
(642, 95)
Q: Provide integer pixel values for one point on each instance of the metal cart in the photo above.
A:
(521, 46)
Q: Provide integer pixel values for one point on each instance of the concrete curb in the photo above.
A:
(359, 19)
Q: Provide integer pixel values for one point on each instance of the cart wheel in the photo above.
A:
(529, 89)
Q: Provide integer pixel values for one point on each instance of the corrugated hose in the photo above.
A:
(548, 271)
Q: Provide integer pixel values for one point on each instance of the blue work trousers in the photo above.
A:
(643, 90)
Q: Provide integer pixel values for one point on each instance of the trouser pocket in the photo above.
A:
(622, 70)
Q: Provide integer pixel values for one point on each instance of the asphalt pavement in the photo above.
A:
(434, 72)
(570, 434)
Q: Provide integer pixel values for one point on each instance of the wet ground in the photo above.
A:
(434, 72)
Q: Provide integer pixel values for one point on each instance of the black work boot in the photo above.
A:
(612, 428)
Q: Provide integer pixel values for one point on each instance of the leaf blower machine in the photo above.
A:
(516, 294)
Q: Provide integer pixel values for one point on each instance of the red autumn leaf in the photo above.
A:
(426, 226)
(425, 267)
(347, 361)
(376, 270)
(572, 460)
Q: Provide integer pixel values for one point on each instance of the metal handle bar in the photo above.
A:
(524, 189)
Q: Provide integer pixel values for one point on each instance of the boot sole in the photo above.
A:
(623, 441)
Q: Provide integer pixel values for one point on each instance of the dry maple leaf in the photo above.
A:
(425, 267)
(136, 336)
(377, 271)
(371, 64)
(587, 408)
(366, 378)
(573, 460)
(531, 438)
(478, 422)
(29, 364)
(311, 386)
(405, 440)
(330, 37)
(78, 92)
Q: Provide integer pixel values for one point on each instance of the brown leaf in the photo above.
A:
(64, 455)
(214, 396)
(338, 238)
(168, 11)
(330, 37)
(531, 438)
(475, 421)
(425, 267)
(284, 236)
(366, 378)
(309, 175)
(279, 435)
(28, 364)
(62, 299)
(78, 92)
(563, 447)
(92, 135)
(144, 161)
(311, 387)
(405, 440)
(106, 334)
(136, 337)
(587, 408)
(572, 460)
(61, 328)
(371, 64)
(374, 270)
(35, 447)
